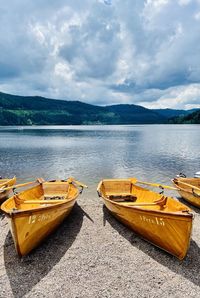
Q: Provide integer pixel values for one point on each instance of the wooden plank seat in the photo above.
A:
(123, 198)
(55, 197)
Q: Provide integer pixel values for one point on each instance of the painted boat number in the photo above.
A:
(157, 221)
(38, 218)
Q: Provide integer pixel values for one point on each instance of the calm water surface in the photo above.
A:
(89, 153)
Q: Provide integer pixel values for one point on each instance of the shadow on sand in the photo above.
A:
(189, 268)
(25, 273)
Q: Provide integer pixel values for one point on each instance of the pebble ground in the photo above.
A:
(93, 255)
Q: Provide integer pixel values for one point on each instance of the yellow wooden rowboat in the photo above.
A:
(4, 183)
(34, 213)
(161, 220)
(189, 189)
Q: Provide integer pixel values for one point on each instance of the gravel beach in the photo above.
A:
(93, 255)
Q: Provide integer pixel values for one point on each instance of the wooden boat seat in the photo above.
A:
(40, 201)
(55, 197)
(123, 198)
(112, 193)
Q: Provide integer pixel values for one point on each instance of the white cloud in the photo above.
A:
(184, 2)
(177, 97)
(103, 51)
(197, 16)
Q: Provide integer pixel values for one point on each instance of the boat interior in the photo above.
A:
(7, 182)
(126, 193)
(2, 181)
(187, 183)
(42, 195)
(3, 184)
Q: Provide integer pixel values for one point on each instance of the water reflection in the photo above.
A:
(150, 152)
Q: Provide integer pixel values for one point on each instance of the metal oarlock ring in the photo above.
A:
(15, 191)
(162, 189)
(81, 190)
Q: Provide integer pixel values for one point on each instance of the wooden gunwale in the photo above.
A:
(37, 210)
(178, 213)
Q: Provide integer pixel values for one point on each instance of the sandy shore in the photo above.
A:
(93, 255)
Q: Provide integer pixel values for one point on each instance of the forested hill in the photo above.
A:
(19, 110)
(27, 110)
(192, 118)
(136, 114)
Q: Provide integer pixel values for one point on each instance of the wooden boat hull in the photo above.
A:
(30, 227)
(153, 226)
(5, 183)
(168, 231)
(188, 193)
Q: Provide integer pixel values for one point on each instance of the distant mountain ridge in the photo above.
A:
(134, 114)
(35, 110)
(193, 118)
(169, 113)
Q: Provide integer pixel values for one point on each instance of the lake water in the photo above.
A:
(150, 152)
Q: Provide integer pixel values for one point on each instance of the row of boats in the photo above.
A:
(164, 221)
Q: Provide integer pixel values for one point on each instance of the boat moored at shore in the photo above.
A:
(36, 212)
(161, 220)
(4, 184)
(188, 188)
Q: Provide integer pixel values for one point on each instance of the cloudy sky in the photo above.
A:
(102, 51)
